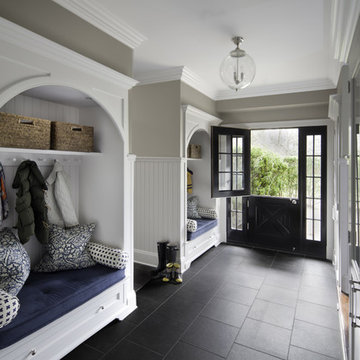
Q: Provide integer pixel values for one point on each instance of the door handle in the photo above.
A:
(354, 289)
(293, 201)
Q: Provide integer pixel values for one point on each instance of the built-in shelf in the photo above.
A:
(47, 153)
(14, 156)
(194, 159)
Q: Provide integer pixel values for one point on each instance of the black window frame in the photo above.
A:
(216, 131)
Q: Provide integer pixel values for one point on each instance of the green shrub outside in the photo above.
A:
(273, 175)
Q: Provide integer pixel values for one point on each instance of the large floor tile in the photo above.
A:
(275, 314)
(228, 312)
(318, 267)
(127, 350)
(237, 293)
(282, 278)
(111, 334)
(180, 308)
(317, 339)
(83, 352)
(145, 306)
(264, 337)
(253, 269)
(184, 351)
(317, 314)
(239, 352)
(278, 295)
(296, 353)
(318, 281)
(211, 335)
(320, 296)
(244, 279)
(158, 333)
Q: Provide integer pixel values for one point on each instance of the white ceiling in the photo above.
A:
(288, 39)
(291, 41)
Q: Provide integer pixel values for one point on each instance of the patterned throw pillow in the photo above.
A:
(66, 249)
(111, 257)
(191, 225)
(14, 263)
(192, 205)
(207, 213)
(9, 307)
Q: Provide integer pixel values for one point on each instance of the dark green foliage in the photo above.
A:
(273, 175)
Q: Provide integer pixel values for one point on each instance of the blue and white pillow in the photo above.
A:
(105, 255)
(9, 307)
(192, 205)
(14, 262)
(191, 225)
(66, 249)
(207, 213)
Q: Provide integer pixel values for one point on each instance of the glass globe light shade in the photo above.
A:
(238, 69)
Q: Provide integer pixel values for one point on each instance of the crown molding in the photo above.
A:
(344, 16)
(276, 89)
(196, 82)
(182, 73)
(195, 112)
(25, 39)
(159, 76)
(97, 15)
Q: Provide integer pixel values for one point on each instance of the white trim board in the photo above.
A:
(190, 78)
(25, 39)
(279, 124)
(100, 17)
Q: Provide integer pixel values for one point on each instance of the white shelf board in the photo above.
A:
(47, 152)
(194, 158)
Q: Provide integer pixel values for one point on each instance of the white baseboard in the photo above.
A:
(145, 257)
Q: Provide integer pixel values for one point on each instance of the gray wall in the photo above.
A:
(294, 106)
(190, 96)
(354, 54)
(155, 121)
(52, 21)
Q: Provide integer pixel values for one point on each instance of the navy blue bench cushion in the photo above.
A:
(203, 225)
(47, 296)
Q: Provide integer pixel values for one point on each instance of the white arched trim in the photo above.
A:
(41, 80)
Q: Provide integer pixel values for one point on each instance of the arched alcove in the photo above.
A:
(97, 178)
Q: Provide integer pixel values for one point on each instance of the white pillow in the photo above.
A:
(104, 255)
(9, 307)
(191, 225)
(207, 213)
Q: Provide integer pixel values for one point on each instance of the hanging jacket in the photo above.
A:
(189, 181)
(58, 198)
(4, 205)
(30, 202)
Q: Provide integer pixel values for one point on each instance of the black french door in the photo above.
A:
(296, 224)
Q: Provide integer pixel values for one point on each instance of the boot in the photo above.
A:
(171, 252)
(169, 273)
(177, 274)
(161, 248)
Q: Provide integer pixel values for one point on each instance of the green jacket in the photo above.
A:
(30, 202)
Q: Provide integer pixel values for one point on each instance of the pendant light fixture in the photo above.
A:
(238, 68)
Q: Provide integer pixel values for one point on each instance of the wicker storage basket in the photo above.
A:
(71, 137)
(26, 132)
(195, 151)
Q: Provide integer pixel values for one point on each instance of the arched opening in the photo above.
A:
(97, 178)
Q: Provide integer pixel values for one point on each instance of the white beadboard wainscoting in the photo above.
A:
(158, 205)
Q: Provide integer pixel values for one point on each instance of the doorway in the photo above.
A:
(285, 205)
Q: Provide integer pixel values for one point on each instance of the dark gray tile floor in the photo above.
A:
(235, 303)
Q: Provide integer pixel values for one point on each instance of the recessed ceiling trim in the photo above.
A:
(25, 39)
(343, 27)
(311, 85)
(97, 15)
(190, 78)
